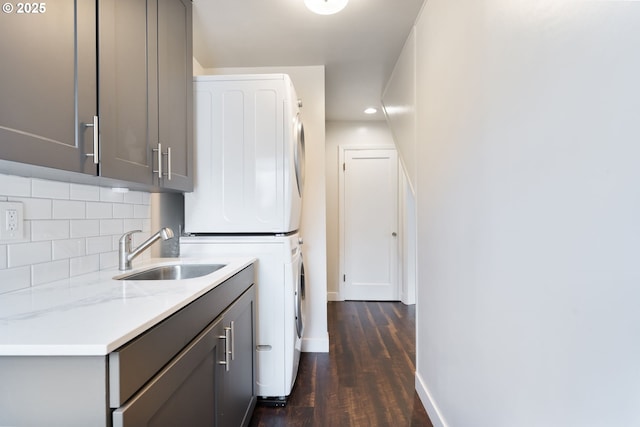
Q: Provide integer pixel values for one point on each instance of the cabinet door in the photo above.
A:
(183, 393)
(237, 399)
(175, 92)
(127, 89)
(48, 83)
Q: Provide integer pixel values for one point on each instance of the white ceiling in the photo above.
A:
(358, 46)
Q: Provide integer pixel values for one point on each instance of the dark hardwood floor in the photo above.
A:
(366, 379)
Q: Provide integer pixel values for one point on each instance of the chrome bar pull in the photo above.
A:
(168, 163)
(233, 341)
(96, 138)
(226, 337)
(159, 151)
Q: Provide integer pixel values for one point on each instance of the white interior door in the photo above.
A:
(369, 223)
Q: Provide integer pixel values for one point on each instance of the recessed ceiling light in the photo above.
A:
(325, 7)
(371, 110)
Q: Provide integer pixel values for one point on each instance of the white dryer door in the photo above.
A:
(299, 154)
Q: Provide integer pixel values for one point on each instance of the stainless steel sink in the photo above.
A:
(173, 272)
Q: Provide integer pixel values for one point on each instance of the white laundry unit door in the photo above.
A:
(249, 156)
(280, 303)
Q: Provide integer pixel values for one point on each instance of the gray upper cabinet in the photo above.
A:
(175, 93)
(48, 84)
(126, 94)
(145, 91)
(131, 69)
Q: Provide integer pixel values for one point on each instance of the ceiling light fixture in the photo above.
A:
(325, 7)
(370, 110)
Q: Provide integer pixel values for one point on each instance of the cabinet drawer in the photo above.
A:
(188, 381)
(135, 363)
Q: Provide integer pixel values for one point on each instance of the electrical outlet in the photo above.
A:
(11, 221)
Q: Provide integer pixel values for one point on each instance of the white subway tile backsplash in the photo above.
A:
(15, 186)
(108, 195)
(36, 208)
(115, 243)
(49, 272)
(50, 189)
(99, 210)
(108, 260)
(13, 279)
(111, 226)
(121, 210)
(69, 229)
(84, 227)
(68, 209)
(84, 265)
(96, 245)
(141, 211)
(26, 237)
(134, 224)
(63, 249)
(28, 253)
(84, 192)
(133, 197)
(3, 256)
(49, 230)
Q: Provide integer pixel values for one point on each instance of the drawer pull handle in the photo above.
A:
(227, 354)
(96, 138)
(159, 151)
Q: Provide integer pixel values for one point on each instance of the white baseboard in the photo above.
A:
(333, 296)
(429, 405)
(315, 345)
(406, 300)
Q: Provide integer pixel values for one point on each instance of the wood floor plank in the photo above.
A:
(366, 379)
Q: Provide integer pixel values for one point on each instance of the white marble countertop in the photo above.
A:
(93, 314)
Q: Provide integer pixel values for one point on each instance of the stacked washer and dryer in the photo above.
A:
(247, 201)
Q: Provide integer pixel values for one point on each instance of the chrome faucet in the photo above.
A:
(126, 254)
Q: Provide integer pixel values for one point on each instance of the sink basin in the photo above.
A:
(173, 272)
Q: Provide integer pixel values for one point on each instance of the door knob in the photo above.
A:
(394, 234)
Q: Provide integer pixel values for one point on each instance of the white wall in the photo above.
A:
(309, 84)
(197, 68)
(70, 229)
(528, 212)
(399, 105)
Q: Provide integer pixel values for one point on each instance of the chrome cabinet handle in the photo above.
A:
(96, 138)
(160, 156)
(159, 151)
(169, 163)
(226, 337)
(233, 341)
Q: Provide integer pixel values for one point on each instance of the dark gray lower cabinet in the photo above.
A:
(235, 397)
(210, 383)
(183, 393)
(195, 368)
